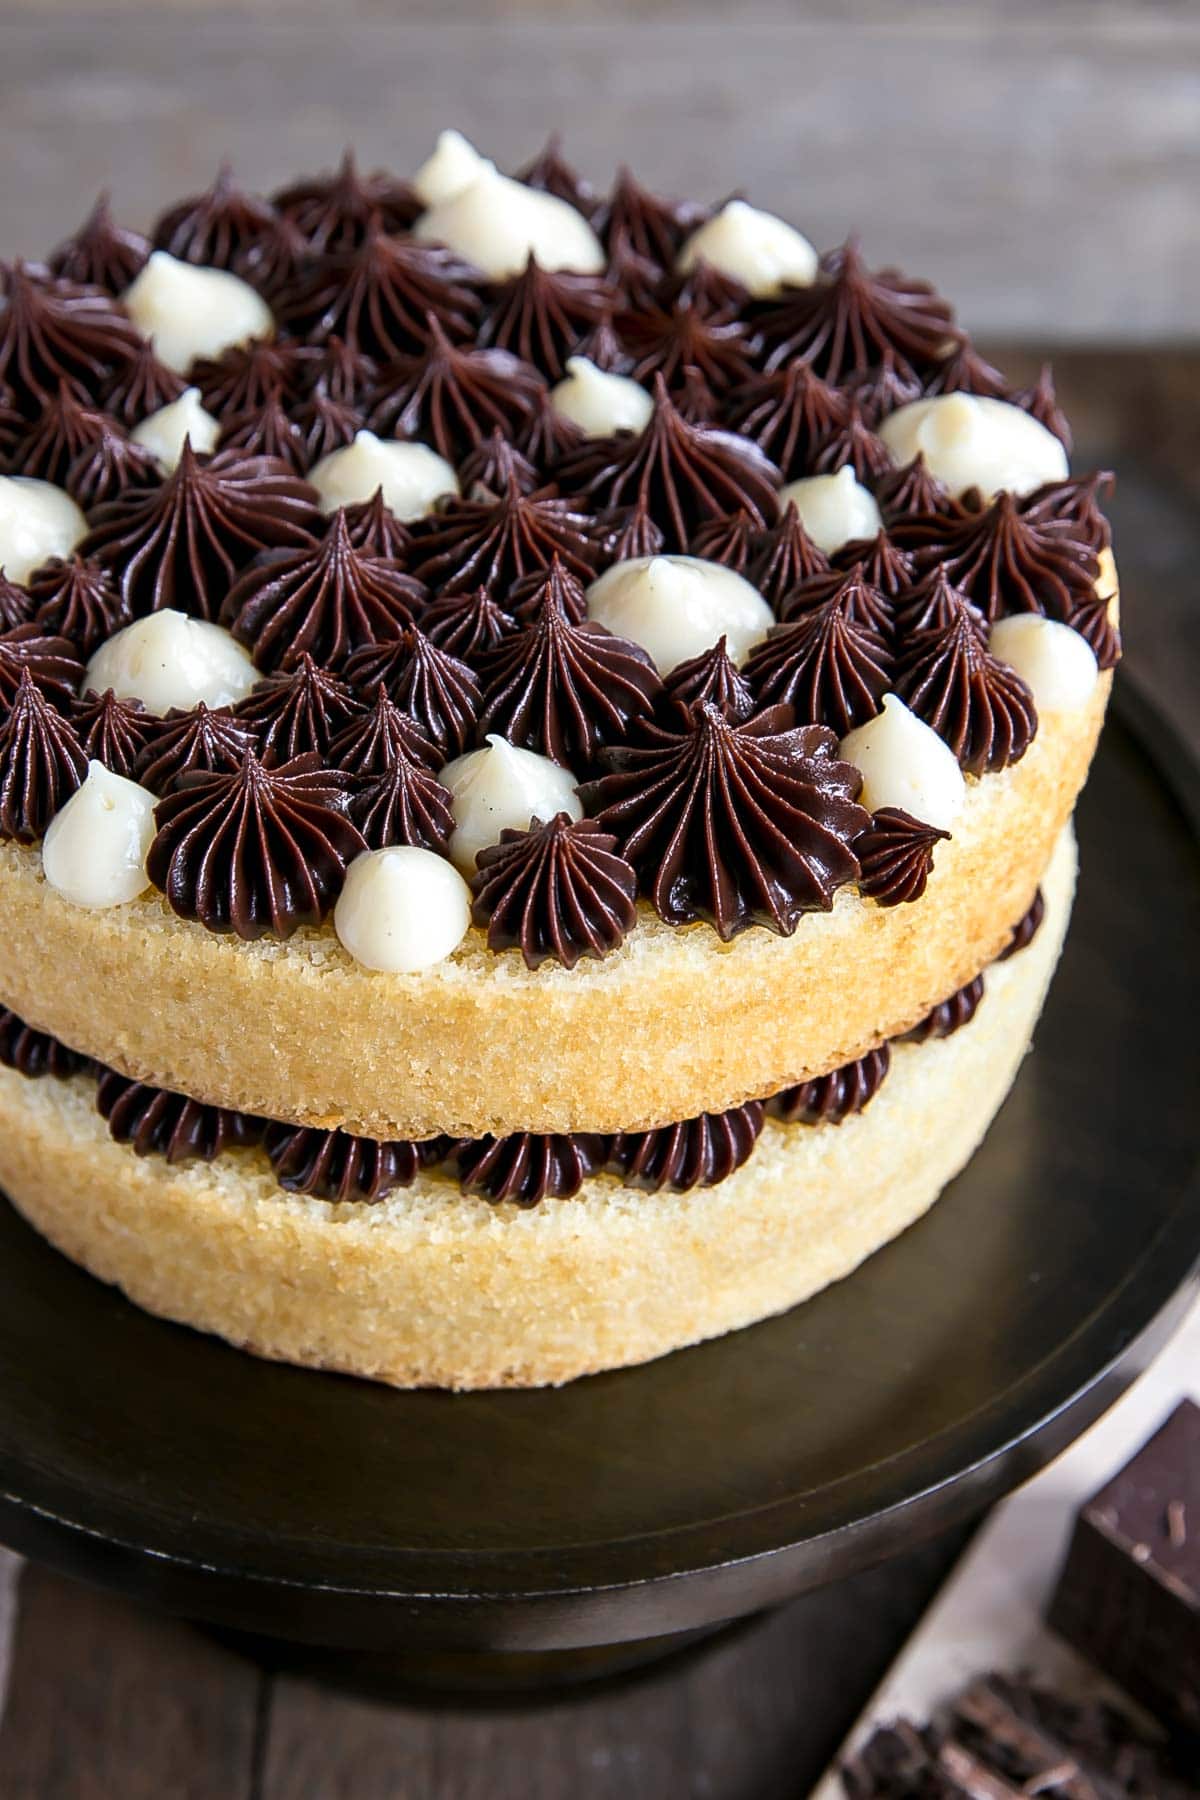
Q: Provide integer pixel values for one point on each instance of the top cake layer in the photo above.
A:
(554, 591)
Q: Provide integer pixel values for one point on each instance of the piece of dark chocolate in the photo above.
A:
(1128, 1597)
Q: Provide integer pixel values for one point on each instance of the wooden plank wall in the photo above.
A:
(1042, 162)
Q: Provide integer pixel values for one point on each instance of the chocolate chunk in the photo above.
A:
(1129, 1593)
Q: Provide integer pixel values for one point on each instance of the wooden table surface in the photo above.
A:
(107, 1702)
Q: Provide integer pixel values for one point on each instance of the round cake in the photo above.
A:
(538, 737)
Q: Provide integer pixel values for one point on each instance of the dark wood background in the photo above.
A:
(1043, 162)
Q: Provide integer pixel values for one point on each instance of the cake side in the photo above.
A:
(433, 1287)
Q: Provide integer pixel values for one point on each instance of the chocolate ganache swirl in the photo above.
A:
(736, 823)
(557, 891)
(388, 645)
(256, 849)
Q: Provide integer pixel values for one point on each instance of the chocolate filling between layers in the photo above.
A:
(524, 1167)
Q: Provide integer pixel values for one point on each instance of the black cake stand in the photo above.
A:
(513, 1536)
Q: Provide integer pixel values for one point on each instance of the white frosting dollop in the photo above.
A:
(969, 440)
(599, 402)
(498, 223)
(413, 477)
(162, 433)
(95, 848)
(502, 788)
(762, 252)
(167, 659)
(453, 166)
(678, 606)
(1056, 664)
(188, 312)
(37, 520)
(833, 508)
(402, 909)
(905, 763)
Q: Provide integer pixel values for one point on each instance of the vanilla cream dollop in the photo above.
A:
(905, 763)
(95, 848)
(453, 166)
(188, 312)
(678, 606)
(1055, 663)
(502, 788)
(497, 224)
(600, 402)
(833, 508)
(762, 252)
(162, 433)
(969, 440)
(413, 477)
(37, 520)
(402, 909)
(167, 659)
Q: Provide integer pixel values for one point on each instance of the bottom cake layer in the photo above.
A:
(431, 1287)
